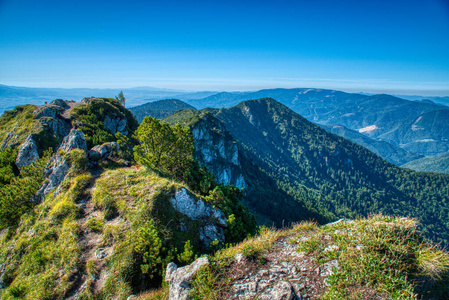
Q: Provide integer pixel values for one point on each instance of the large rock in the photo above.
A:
(215, 148)
(61, 103)
(212, 220)
(55, 125)
(283, 290)
(74, 140)
(48, 110)
(27, 153)
(103, 151)
(179, 279)
(115, 125)
(58, 167)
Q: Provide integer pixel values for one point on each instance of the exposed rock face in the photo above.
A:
(75, 140)
(48, 110)
(215, 148)
(61, 103)
(115, 125)
(58, 167)
(27, 153)
(103, 151)
(10, 139)
(213, 219)
(179, 279)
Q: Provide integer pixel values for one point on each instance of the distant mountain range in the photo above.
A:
(12, 96)
(417, 127)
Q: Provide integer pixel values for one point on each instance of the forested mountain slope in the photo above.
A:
(328, 174)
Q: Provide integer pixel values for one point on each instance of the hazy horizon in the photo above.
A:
(395, 47)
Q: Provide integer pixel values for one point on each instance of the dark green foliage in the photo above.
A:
(15, 196)
(90, 119)
(121, 98)
(164, 148)
(8, 169)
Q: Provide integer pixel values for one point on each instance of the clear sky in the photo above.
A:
(373, 46)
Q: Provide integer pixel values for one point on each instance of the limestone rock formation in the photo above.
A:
(215, 148)
(103, 151)
(213, 219)
(179, 279)
(115, 125)
(75, 140)
(58, 167)
(27, 153)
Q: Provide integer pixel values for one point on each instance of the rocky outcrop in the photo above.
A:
(179, 279)
(115, 124)
(103, 151)
(11, 138)
(61, 103)
(215, 148)
(47, 111)
(49, 116)
(27, 153)
(213, 220)
(75, 140)
(58, 166)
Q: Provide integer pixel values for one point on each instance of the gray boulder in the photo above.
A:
(48, 110)
(27, 153)
(179, 279)
(103, 151)
(115, 125)
(196, 209)
(74, 140)
(61, 103)
(212, 220)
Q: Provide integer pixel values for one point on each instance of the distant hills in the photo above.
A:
(388, 151)
(159, 109)
(12, 96)
(418, 127)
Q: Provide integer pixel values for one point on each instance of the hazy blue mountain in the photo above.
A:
(438, 100)
(390, 152)
(158, 109)
(414, 126)
(439, 163)
(12, 96)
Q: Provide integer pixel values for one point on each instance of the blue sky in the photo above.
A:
(373, 46)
